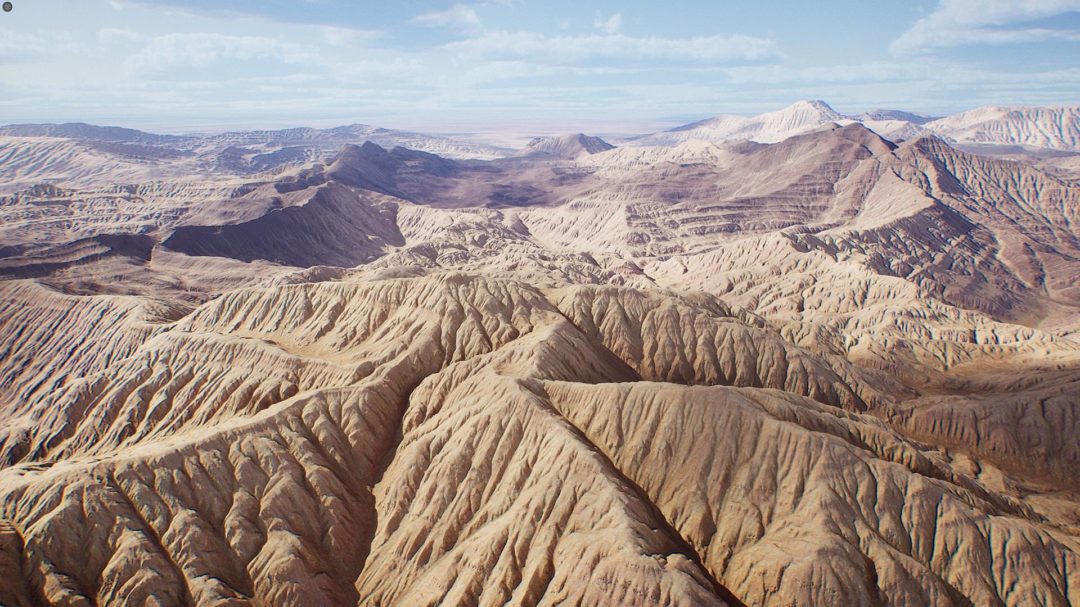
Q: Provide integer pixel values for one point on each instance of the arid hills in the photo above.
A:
(795, 359)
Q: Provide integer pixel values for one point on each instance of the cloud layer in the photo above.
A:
(174, 65)
(563, 49)
(966, 22)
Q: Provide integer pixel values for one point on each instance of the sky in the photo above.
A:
(524, 65)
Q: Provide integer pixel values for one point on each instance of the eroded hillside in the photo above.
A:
(827, 370)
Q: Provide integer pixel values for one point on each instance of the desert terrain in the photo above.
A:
(799, 358)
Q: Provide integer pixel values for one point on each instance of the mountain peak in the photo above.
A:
(566, 146)
(812, 104)
(809, 108)
(929, 143)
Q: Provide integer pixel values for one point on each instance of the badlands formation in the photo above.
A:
(782, 360)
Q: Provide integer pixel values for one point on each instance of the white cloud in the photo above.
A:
(459, 15)
(502, 71)
(22, 46)
(344, 36)
(963, 22)
(204, 49)
(15, 45)
(112, 35)
(615, 46)
(611, 25)
(874, 72)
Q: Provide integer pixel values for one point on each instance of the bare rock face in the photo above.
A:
(1044, 127)
(825, 370)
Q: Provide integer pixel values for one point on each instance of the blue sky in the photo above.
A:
(526, 65)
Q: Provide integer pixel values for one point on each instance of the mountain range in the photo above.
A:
(82, 154)
(779, 360)
(1054, 128)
